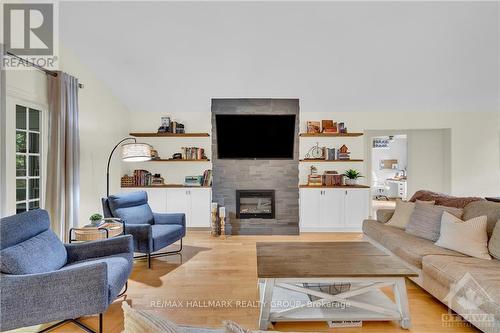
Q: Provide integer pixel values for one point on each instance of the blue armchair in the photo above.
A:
(43, 280)
(151, 231)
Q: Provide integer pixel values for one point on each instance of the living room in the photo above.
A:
(177, 166)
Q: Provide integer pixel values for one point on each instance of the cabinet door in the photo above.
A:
(177, 201)
(310, 209)
(356, 208)
(200, 199)
(332, 208)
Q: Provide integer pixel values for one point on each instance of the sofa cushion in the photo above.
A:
(166, 234)
(132, 207)
(118, 269)
(478, 208)
(444, 199)
(407, 247)
(467, 237)
(425, 221)
(448, 270)
(39, 254)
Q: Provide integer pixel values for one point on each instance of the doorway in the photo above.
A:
(401, 162)
(389, 166)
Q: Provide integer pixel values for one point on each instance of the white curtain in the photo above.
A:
(62, 196)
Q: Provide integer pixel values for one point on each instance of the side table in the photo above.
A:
(111, 228)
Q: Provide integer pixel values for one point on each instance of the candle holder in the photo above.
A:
(222, 215)
(214, 228)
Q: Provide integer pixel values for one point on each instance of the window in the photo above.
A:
(28, 158)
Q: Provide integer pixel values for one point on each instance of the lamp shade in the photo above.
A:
(136, 152)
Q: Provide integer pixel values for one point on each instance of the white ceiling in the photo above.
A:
(334, 56)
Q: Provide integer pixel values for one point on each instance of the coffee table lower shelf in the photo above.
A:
(287, 300)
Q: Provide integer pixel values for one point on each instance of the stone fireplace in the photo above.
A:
(251, 210)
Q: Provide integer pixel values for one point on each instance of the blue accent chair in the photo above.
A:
(43, 280)
(151, 231)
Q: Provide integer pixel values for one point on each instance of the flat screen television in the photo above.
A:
(255, 136)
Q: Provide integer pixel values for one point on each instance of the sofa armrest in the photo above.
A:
(170, 218)
(70, 292)
(100, 248)
(384, 215)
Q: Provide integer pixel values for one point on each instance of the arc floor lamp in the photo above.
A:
(131, 152)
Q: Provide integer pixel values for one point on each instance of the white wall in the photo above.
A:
(103, 122)
(474, 143)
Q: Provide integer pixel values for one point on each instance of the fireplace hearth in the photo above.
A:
(251, 204)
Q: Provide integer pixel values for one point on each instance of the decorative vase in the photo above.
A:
(351, 182)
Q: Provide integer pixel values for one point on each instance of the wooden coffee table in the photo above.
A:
(290, 274)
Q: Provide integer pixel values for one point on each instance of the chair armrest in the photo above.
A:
(100, 248)
(384, 215)
(70, 292)
(170, 218)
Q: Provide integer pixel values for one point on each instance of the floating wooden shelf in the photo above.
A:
(167, 186)
(335, 186)
(179, 160)
(174, 135)
(330, 134)
(311, 160)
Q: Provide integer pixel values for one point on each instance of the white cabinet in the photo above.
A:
(333, 209)
(194, 202)
(356, 207)
(310, 198)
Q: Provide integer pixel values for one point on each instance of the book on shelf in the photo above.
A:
(197, 181)
(142, 178)
(193, 153)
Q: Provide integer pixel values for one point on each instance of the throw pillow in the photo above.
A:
(402, 214)
(467, 237)
(494, 244)
(425, 221)
(478, 208)
(139, 321)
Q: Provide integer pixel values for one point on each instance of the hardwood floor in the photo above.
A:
(212, 269)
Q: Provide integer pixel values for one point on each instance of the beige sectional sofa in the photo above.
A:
(444, 273)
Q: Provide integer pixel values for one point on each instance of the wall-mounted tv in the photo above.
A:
(255, 136)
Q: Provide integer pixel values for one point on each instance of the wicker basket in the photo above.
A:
(92, 233)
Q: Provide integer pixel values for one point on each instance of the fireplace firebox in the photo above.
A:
(251, 204)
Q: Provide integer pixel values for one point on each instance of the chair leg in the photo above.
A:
(159, 254)
(77, 323)
(124, 291)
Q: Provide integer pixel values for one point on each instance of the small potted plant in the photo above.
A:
(95, 220)
(352, 176)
